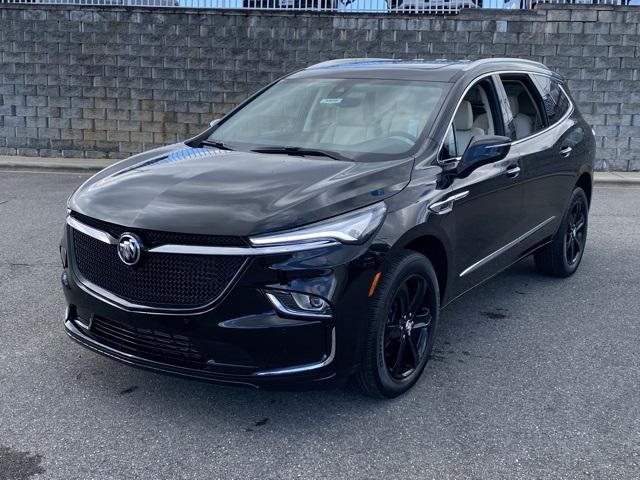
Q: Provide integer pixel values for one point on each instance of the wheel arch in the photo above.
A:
(586, 183)
(434, 249)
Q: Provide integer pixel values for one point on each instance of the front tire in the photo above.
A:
(563, 255)
(403, 314)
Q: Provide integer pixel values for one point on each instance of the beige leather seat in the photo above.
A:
(522, 123)
(353, 124)
(403, 117)
(463, 123)
(482, 122)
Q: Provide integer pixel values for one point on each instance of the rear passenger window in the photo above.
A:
(524, 103)
(556, 103)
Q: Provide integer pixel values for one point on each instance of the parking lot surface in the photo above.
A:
(531, 377)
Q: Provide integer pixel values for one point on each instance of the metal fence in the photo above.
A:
(360, 6)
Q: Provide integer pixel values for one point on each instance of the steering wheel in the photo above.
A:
(410, 139)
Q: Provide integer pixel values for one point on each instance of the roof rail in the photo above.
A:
(344, 61)
(446, 60)
(482, 61)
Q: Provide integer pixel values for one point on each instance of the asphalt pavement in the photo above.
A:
(531, 377)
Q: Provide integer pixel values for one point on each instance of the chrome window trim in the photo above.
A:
(506, 72)
(206, 250)
(304, 368)
(506, 247)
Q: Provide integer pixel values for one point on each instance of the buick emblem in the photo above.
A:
(129, 248)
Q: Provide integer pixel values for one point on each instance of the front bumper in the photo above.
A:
(259, 349)
(243, 339)
(305, 375)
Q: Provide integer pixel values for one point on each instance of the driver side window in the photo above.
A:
(449, 149)
(477, 116)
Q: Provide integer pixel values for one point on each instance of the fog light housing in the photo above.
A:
(309, 302)
(299, 304)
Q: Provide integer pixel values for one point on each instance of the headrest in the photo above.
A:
(464, 116)
(513, 104)
(526, 106)
(512, 89)
(481, 121)
(406, 104)
(354, 110)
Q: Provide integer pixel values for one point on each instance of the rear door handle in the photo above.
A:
(566, 151)
(513, 172)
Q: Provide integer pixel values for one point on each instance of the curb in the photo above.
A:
(619, 179)
(89, 166)
(62, 165)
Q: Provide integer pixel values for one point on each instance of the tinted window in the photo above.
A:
(358, 118)
(476, 117)
(554, 99)
(523, 103)
(449, 146)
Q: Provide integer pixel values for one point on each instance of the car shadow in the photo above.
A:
(491, 309)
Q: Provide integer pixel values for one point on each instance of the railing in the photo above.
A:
(362, 6)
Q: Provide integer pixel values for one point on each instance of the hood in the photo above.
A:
(221, 192)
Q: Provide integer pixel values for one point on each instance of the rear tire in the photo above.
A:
(563, 255)
(403, 314)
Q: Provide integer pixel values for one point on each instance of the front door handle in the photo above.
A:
(446, 205)
(566, 151)
(513, 172)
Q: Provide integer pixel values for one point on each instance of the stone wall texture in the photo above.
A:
(111, 81)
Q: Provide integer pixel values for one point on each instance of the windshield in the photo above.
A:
(351, 118)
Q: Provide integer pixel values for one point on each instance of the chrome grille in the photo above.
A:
(159, 280)
(152, 238)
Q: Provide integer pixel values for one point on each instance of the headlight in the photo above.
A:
(352, 227)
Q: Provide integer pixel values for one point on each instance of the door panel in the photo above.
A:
(547, 176)
(549, 158)
(487, 219)
(486, 216)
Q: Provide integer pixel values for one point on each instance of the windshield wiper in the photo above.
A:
(299, 151)
(212, 143)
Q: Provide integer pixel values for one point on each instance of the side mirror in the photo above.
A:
(482, 151)
(214, 122)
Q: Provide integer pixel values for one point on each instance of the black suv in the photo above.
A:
(314, 233)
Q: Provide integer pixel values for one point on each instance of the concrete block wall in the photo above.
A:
(84, 81)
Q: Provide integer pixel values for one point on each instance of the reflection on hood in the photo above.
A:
(222, 192)
(187, 153)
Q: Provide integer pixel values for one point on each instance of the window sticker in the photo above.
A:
(331, 100)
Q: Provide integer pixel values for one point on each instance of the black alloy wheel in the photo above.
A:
(563, 255)
(401, 320)
(408, 327)
(575, 236)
